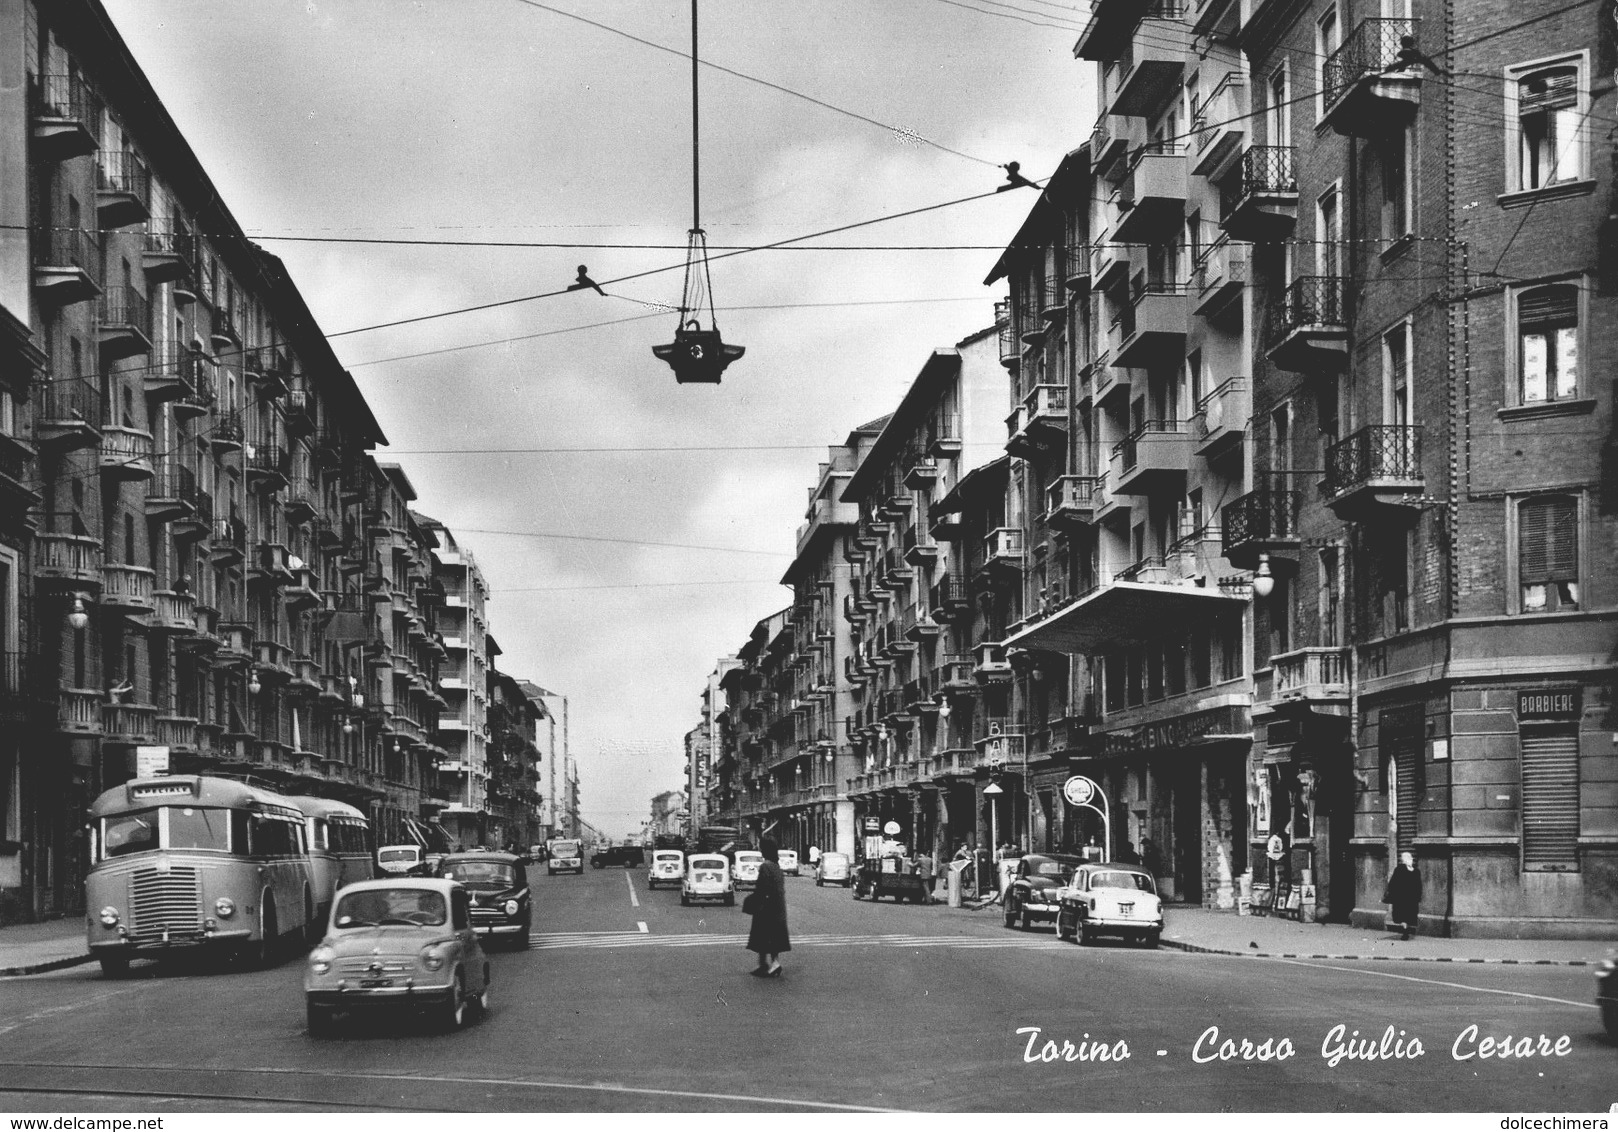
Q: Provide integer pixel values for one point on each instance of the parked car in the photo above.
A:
(835, 868)
(402, 942)
(747, 863)
(707, 877)
(788, 860)
(399, 860)
(668, 867)
(1033, 891)
(502, 906)
(626, 856)
(1607, 996)
(1112, 899)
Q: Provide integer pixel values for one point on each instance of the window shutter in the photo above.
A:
(1550, 798)
(1548, 541)
(1556, 305)
(1547, 90)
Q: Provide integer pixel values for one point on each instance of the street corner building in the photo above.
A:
(202, 566)
(1278, 499)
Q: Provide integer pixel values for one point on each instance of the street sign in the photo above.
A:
(1078, 790)
(892, 829)
(873, 825)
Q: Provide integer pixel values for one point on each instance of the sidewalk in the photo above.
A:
(29, 949)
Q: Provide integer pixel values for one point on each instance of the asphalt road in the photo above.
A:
(629, 1002)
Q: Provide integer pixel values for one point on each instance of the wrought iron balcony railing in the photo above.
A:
(1371, 48)
(1376, 452)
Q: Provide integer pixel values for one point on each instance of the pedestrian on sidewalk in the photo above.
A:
(924, 869)
(1403, 895)
(767, 904)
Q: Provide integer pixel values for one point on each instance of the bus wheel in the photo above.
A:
(114, 966)
(265, 952)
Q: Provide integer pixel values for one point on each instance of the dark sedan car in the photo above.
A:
(615, 856)
(1032, 894)
(502, 905)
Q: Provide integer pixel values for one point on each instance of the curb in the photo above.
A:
(1180, 945)
(48, 965)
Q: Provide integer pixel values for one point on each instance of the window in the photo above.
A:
(1547, 352)
(1396, 365)
(1328, 38)
(1548, 113)
(1548, 553)
(1330, 231)
(1396, 200)
(1276, 119)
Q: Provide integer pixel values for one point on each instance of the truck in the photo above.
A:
(564, 855)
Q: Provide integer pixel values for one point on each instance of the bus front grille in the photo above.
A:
(164, 902)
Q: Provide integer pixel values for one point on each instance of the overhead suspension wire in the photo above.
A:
(1007, 15)
(622, 541)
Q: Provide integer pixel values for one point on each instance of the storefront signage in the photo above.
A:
(1078, 790)
(892, 829)
(1550, 703)
(873, 825)
(151, 761)
(1230, 722)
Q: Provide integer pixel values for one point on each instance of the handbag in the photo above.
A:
(750, 905)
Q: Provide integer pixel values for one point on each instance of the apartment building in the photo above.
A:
(515, 761)
(712, 794)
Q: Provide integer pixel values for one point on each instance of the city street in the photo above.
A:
(628, 1001)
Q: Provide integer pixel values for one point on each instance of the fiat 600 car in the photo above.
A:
(668, 867)
(1111, 900)
(747, 863)
(398, 943)
(707, 877)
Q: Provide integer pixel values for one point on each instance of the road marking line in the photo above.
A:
(633, 899)
(641, 924)
(1438, 983)
(52, 1011)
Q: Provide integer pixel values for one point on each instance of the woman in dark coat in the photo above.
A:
(1403, 894)
(768, 935)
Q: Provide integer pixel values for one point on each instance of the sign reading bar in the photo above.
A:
(1550, 703)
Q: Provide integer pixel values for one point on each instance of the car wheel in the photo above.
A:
(730, 899)
(819, 883)
(485, 1003)
(452, 1015)
(1085, 936)
(1609, 1019)
(1010, 914)
(1027, 920)
(114, 966)
(685, 901)
(524, 942)
(319, 1020)
(1150, 939)
(1061, 928)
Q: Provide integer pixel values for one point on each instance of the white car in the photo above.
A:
(1115, 899)
(668, 867)
(747, 863)
(707, 877)
(788, 860)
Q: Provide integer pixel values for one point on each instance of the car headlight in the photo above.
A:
(511, 907)
(109, 917)
(432, 958)
(225, 907)
(321, 959)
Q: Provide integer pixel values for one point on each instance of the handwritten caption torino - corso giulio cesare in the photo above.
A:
(1341, 1043)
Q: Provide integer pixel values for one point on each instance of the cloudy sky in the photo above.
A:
(384, 132)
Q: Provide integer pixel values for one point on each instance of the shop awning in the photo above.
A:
(1124, 613)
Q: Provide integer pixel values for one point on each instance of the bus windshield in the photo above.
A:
(188, 827)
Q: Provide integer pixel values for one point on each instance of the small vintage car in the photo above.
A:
(747, 863)
(1607, 996)
(401, 942)
(564, 855)
(1035, 883)
(399, 860)
(788, 860)
(616, 856)
(502, 905)
(1111, 899)
(835, 868)
(707, 877)
(668, 867)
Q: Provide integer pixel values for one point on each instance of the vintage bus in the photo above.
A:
(189, 863)
(339, 839)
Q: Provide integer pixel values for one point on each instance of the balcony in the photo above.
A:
(1003, 549)
(1109, 143)
(302, 501)
(951, 599)
(79, 711)
(198, 400)
(1220, 422)
(990, 665)
(1109, 261)
(226, 435)
(303, 591)
(1368, 90)
(1070, 501)
(1375, 474)
(944, 436)
(62, 420)
(921, 472)
(127, 588)
(268, 467)
(1040, 421)
(268, 368)
(1220, 126)
(302, 412)
(167, 377)
(125, 453)
(920, 549)
(66, 117)
(224, 335)
(18, 493)
(272, 660)
(1316, 678)
(67, 265)
(235, 643)
(123, 190)
(1308, 326)
(1010, 347)
(73, 561)
(921, 624)
(1076, 265)
(1108, 382)
(177, 732)
(1261, 202)
(1219, 278)
(1152, 63)
(173, 612)
(129, 723)
(1103, 32)
(1141, 603)
(897, 573)
(124, 328)
(954, 674)
(1151, 197)
(1153, 327)
(169, 253)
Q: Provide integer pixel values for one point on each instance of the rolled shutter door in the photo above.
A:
(1550, 798)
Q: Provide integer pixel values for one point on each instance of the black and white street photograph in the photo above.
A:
(861, 559)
